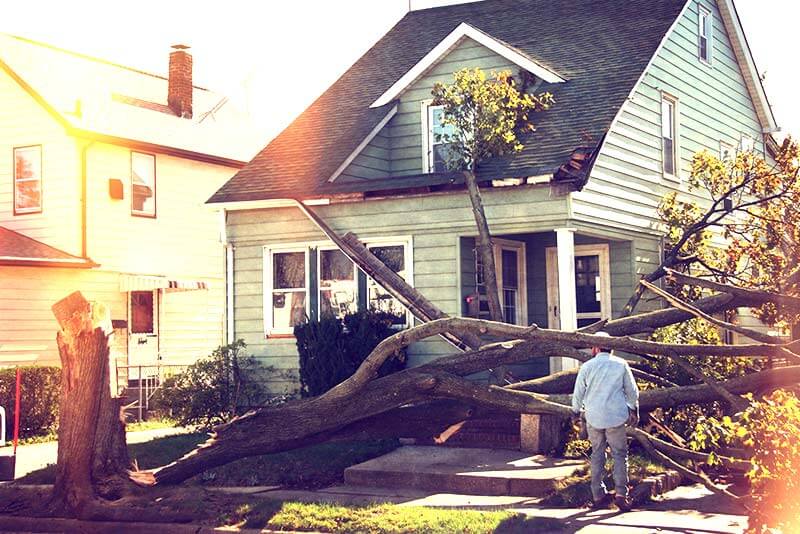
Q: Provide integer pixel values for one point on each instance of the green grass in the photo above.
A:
(307, 468)
(386, 518)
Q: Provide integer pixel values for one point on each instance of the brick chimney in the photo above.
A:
(179, 93)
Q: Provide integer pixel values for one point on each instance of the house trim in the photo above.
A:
(367, 140)
(463, 31)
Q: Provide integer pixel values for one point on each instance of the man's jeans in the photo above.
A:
(617, 440)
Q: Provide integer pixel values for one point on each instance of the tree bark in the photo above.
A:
(484, 246)
(92, 454)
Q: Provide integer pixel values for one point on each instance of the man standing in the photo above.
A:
(607, 392)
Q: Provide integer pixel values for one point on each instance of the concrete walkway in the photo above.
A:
(687, 509)
(39, 455)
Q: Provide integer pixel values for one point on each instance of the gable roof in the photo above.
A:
(464, 31)
(91, 96)
(20, 250)
(600, 47)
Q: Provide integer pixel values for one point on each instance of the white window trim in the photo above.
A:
(744, 139)
(723, 146)
(40, 207)
(522, 290)
(324, 248)
(143, 213)
(268, 285)
(427, 134)
(602, 250)
(710, 37)
(676, 146)
(408, 250)
(452, 40)
(406, 242)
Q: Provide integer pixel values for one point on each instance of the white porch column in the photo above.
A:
(567, 311)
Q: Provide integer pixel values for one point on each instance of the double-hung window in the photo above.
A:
(669, 134)
(337, 284)
(747, 143)
(378, 299)
(143, 184)
(315, 280)
(705, 35)
(439, 152)
(727, 152)
(28, 179)
(287, 283)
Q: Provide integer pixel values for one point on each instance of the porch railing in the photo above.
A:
(148, 379)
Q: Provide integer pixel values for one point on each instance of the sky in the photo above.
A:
(279, 56)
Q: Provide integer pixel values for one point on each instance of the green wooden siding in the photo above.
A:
(397, 150)
(433, 223)
(714, 105)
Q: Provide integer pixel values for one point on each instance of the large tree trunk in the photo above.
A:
(485, 251)
(343, 410)
(92, 453)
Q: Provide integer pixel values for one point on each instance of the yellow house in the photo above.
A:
(104, 172)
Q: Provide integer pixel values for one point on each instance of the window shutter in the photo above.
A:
(313, 284)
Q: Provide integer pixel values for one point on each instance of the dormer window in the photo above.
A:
(705, 32)
(438, 149)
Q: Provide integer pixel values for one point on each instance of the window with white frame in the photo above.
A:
(669, 135)
(337, 284)
(287, 282)
(316, 280)
(727, 152)
(394, 256)
(28, 179)
(705, 35)
(439, 152)
(143, 184)
(747, 143)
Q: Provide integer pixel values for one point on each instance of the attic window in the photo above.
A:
(28, 179)
(438, 151)
(705, 33)
(669, 136)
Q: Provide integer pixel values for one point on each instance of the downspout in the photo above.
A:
(229, 323)
(84, 190)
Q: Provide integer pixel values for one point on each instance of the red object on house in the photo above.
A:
(16, 410)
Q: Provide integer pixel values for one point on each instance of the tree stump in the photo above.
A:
(92, 452)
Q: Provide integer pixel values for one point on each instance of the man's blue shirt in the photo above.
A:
(605, 388)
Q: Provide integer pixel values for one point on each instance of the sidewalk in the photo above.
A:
(39, 455)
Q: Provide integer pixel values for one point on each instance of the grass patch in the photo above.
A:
(389, 518)
(307, 468)
(250, 511)
(576, 491)
(136, 426)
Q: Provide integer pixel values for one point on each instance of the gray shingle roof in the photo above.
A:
(601, 47)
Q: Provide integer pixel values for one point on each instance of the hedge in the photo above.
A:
(38, 401)
(332, 349)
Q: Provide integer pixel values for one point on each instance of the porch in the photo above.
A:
(558, 279)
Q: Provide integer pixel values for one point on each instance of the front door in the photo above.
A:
(592, 285)
(142, 330)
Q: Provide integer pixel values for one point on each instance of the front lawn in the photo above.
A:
(311, 467)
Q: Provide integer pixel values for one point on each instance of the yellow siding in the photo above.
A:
(181, 241)
(27, 326)
(23, 122)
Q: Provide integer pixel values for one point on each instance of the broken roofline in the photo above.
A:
(463, 31)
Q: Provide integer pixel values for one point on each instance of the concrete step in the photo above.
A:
(463, 471)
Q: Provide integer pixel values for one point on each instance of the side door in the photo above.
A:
(142, 329)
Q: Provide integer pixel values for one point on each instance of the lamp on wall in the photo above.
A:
(115, 190)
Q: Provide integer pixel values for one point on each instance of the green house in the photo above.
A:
(640, 86)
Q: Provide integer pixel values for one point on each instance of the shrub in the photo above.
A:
(332, 349)
(769, 429)
(214, 389)
(41, 387)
